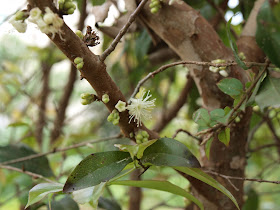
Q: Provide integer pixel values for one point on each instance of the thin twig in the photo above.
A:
(233, 115)
(199, 63)
(122, 32)
(264, 147)
(34, 175)
(187, 132)
(58, 150)
(241, 178)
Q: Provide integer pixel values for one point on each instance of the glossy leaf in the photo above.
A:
(231, 86)
(169, 152)
(224, 136)
(96, 168)
(268, 33)
(39, 191)
(160, 185)
(198, 174)
(38, 165)
(233, 46)
(202, 117)
(269, 93)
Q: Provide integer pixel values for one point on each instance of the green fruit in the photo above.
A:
(78, 60)
(85, 102)
(80, 65)
(154, 10)
(70, 11)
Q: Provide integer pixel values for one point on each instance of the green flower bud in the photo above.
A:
(70, 11)
(86, 96)
(138, 141)
(154, 10)
(68, 5)
(78, 60)
(115, 121)
(60, 4)
(120, 106)
(20, 15)
(105, 98)
(213, 69)
(145, 134)
(144, 140)
(85, 102)
(80, 34)
(139, 136)
(80, 65)
(237, 119)
(222, 68)
(131, 135)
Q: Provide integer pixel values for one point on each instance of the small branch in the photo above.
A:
(58, 150)
(241, 178)
(272, 129)
(34, 175)
(264, 147)
(122, 32)
(187, 132)
(164, 67)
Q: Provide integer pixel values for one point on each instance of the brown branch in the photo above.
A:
(122, 32)
(272, 129)
(199, 63)
(241, 178)
(171, 113)
(135, 193)
(187, 132)
(59, 150)
(68, 89)
(34, 175)
(41, 121)
(264, 147)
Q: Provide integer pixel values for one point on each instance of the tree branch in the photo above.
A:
(58, 150)
(34, 175)
(122, 32)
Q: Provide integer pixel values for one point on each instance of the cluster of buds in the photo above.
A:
(114, 117)
(79, 62)
(222, 70)
(155, 6)
(48, 23)
(242, 56)
(87, 98)
(141, 137)
(66, 7)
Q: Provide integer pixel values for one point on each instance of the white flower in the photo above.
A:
(223, 73)
(35, 14)
(19, 25)
(139, 109)
(121, 106)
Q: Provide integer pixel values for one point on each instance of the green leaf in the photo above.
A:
(268, 33)
(224, 136)
(231, 86)
(18, 124)
(169, 152)
(160, 185)
(39, 191)
(252, 201)
(269, 93)
(217, 115)
(208, 147)
(96, 168)
(97, 192)
(198, 174)
(256, 89)
(234, 47)
(97, 2)
(65, 203)
(38, 165)
(135, 150)
(202, 117)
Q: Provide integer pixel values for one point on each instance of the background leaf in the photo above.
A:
(224, 136)
(202, 117)
(39, 191)
(269, 87)
(160, 185)
(96, 168)
(169, 152)
(233, 46)
(231, 86)
(65, 203)
(268, 33)
(38, 165)
(198, 174)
